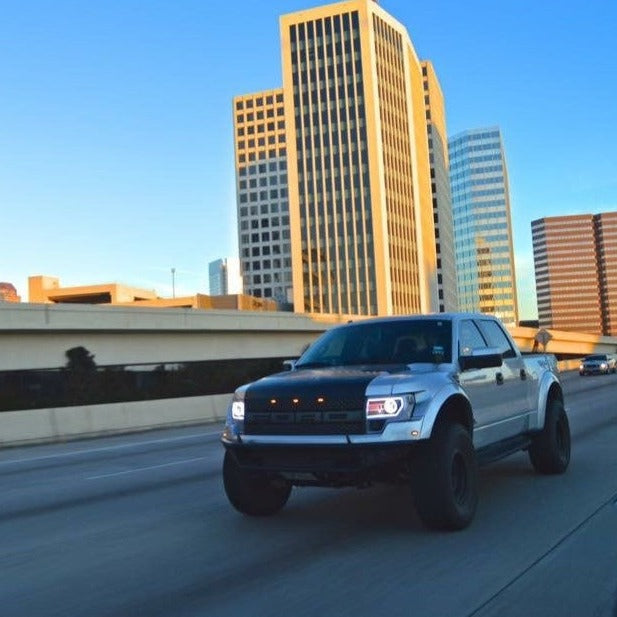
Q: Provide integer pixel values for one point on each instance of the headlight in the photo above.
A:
(237, 406)
(604, 365)
(581, 367)
(384, 407)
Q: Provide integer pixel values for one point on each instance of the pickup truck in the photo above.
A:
(419, 400)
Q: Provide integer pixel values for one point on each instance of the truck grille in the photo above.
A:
(340, 416)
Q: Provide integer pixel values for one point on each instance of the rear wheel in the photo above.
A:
(445, 479)
(550, 449)
(253, 493)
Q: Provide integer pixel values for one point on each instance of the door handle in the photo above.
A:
(499, 379)
(523, 374)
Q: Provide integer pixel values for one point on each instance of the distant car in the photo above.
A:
(597, 364)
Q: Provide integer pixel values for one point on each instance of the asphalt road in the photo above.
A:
(139, 525)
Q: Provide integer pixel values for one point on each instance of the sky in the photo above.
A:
(116, 137)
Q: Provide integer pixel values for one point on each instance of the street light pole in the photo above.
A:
(173, 282)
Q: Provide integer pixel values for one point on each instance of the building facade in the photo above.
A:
(440, 190)
(47, 290)
(360, 203)
(575, 260)
(262, 196)
(224, 276)
(8, 293)
(482, 224)
(360, 221)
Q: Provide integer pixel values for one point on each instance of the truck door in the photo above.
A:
(511, 410)
(479, 383)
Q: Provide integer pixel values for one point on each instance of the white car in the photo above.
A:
(596, 364)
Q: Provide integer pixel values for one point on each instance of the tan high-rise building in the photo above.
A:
(575, 260)
(262, 201)
(440, 190)
(360, 203)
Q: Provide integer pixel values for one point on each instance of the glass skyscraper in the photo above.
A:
(486, 279)
(224, 276)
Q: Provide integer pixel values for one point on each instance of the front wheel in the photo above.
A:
(253, 493)
(445, 479)
(550, 448)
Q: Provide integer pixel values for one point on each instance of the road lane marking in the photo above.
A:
(108, 448)
(138, 469)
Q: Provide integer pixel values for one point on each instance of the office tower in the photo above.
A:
(575, 259)
(224, 277)
(605, 226)
(482, 226)
(360, 204)
(440, 189)
(262, 201)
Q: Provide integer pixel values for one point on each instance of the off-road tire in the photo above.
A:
(444, 478)
(549, 452)
(255, 494)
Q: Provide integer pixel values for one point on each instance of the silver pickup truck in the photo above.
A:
(420, 400)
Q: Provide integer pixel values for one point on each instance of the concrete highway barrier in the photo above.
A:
(37, 337)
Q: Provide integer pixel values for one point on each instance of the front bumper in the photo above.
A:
(392, 432)
(327, 460)
(594, 370)
(325, 465)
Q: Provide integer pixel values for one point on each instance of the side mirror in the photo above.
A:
(481, 358)
(289, 365)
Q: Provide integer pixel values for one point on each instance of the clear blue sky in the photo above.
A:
(116, 155)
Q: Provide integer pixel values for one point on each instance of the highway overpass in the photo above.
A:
(155, 367)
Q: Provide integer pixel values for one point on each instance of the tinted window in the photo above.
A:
(469, 338)
(383, 342)
(496, 337)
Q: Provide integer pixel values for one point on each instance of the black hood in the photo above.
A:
(324, 400)
(334, 385)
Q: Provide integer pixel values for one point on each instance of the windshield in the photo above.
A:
(597, 358)
(382, 342)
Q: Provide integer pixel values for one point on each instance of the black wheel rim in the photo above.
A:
(561, 437)
(459, 479)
